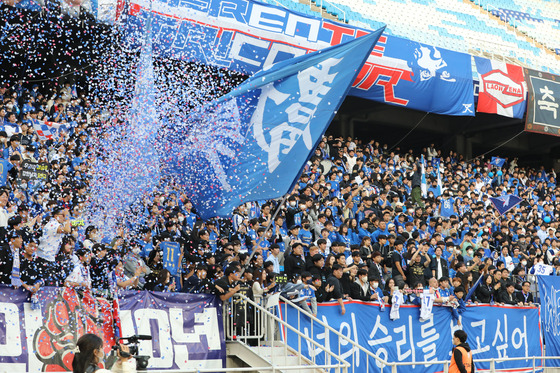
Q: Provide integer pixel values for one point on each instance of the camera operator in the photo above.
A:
(89, 353)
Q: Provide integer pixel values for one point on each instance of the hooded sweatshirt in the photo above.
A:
(458, 356)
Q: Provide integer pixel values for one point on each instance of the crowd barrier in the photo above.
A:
(187, 329)
(505, 337)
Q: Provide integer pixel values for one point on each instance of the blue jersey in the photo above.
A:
(305, 236)
(5, 166)
(171, 253)
(447, 207)
(146, 249)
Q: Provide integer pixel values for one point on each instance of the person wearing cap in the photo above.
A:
(294, 262)
(80, 276)
(375, 267)
(293, 235)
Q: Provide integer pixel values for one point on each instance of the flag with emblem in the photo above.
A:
(253, 143)
(497, 162)
(502, 90)
(505, 202)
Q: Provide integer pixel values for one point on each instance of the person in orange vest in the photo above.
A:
(462, 360)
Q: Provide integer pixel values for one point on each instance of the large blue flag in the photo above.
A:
(252, 144)
(506, 202)
(498, 162)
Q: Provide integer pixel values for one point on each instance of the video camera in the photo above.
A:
(132, 343)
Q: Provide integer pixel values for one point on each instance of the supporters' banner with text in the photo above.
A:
(549, 292)
(42, 338)
(247, 36)
(187, 329)
(253, 143)
(502, 88)
(493, 332)
(543, 103)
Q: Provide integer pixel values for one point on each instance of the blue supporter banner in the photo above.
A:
(253, 143)
(549, 291)
(247, 36)
(493, 332)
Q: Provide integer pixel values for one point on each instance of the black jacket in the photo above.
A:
(294, 264)
(373, 271)
(458, 356)
(444, 266)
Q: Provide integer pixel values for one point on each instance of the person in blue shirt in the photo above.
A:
(363, 229)
(5, 167)
(343, 235)
(305, 235)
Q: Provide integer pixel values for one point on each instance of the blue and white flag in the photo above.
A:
(505, 202)
(423, 184)
(498, 162)
(473, 288)
(439, 183)
(252, 144)
(47, 130)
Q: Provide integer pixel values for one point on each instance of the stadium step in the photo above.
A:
(240, 354)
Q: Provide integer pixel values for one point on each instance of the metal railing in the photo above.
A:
(394, 365)
(251, 323)
(342, 339)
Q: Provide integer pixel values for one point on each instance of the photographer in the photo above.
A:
(89, 353)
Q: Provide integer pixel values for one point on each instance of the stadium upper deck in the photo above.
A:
(522, 31)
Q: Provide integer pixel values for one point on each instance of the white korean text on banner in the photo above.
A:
(493, 332)
(247, 36)
(186, 329)
(543, 103)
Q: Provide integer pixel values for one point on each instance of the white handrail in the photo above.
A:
(342, 363)
(340, 335)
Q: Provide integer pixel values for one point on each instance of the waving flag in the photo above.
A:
(45, 130)
(498, 162)
(473, 288)
(252, 144)
(505, 203)
(503, 89)
(439, 183)
(423, 184)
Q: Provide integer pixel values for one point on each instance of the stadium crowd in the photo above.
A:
(356, 226)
